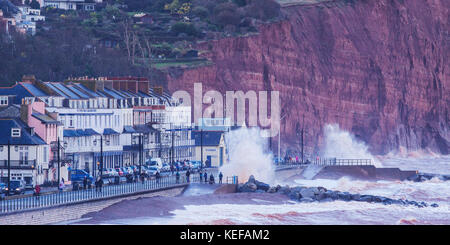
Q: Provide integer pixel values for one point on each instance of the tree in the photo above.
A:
(182, 27)
(226, 14)
(35, 4)
(263, 9)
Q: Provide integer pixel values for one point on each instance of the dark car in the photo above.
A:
(77, 175)
(17, 187)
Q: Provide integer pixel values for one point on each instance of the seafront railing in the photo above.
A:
(78, 196)
(342, 162)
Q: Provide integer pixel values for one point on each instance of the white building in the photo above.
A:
(29, 154)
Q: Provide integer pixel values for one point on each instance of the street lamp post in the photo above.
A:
(279, 139)
(9, 168)
(59, 162)
(201, 148)
(101, 154)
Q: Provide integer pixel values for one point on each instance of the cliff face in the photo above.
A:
(377, 68)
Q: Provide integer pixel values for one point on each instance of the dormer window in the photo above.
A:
(15, 132)
(3, 100)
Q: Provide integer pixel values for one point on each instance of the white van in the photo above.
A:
(155, 162)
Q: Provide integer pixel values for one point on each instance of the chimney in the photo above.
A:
(29, 79)
(144, 86)
(24, 112)
(158, 90)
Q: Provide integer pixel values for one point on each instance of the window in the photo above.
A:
(15, 132)
(45, 154)
(3, 100)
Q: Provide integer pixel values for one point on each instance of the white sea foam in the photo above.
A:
(248, 155)
(341, 144)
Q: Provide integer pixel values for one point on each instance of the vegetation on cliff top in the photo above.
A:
(113, 40)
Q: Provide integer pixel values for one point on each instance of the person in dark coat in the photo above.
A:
(85, 182)
(205, 175)
(157, 176)
(100, 184)
(187, 175)
(220, 177)
(211, 179)
(201, 176)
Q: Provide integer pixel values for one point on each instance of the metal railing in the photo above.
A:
(77, 196)
(232, 180)
(342, 162)
(18, 164)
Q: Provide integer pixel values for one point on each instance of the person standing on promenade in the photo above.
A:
(205, 175)
(187, 175)
(178, 177)
(100, 184)
(157, 176)
(201, 176)
(37, 191)
(85, 182)
(220, 177)
(61, 185)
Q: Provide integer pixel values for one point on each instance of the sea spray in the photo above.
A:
(342, 145)
(248, 155)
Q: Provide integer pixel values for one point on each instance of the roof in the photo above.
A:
(19, 91)
(11, 111)
(79, 132)
(44, 118)
(109, 131)
(34, 90)
(25, 137)
(144, 129)
(210, 138)
(128, 129)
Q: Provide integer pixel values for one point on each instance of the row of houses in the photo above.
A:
(80, 116)
(22, 18)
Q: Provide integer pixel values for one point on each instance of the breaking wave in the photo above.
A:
(248, 155)
(341, 144)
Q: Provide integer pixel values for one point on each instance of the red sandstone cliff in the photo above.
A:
(377, 68)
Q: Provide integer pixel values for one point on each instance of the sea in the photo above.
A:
(264, 211)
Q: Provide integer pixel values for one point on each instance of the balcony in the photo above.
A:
(18, 164)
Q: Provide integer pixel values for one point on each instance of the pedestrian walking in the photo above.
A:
(205, 175)
(100, 184)
(143, 178)
(157, 176)
(201, 176)
(37, 191)
(187, 175)
(61, 185)
(96, 184)
(220, 177)
(178, 177)
(85, 180)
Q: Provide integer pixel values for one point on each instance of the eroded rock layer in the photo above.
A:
(377, 68)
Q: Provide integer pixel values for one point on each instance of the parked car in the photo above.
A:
(165, 167)
(3, 188)
(110, 172)
(127, 171)
(79, 174)
(196, 165)
(130, 170)
(156, 162)
(152, 170)
(119, 171)
(17, 187)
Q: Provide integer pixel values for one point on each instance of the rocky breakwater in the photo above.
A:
(421, 177)
(321, 194)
